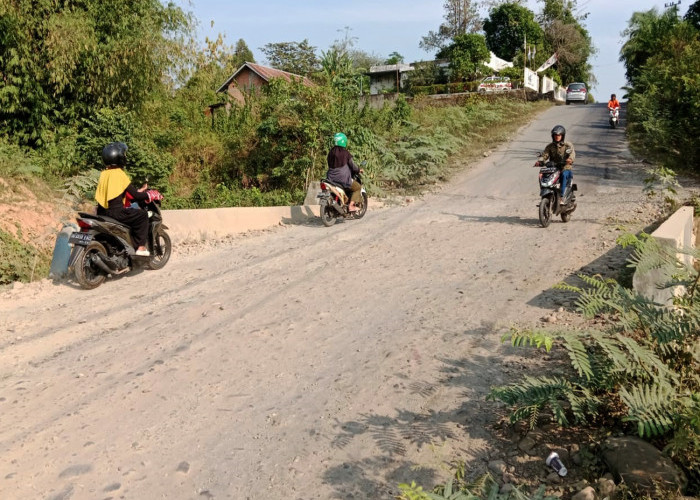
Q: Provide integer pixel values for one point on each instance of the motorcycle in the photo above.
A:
(614, 117)
(334, 202)
(104, 247)
(550, 194)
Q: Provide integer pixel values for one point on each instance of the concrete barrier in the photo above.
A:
(216, 223)
(676, 232)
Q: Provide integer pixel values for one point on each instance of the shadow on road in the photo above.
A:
(379, 476)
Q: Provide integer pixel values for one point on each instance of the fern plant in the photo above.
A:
(483, 488)
(647, 361)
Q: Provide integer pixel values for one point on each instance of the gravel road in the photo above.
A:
(305, 362)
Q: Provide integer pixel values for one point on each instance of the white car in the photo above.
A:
(576, 92)
(495, 84)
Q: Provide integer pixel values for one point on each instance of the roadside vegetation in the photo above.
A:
(639, 373)
(72, 80)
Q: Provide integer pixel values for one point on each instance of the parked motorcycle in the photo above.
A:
(334, 202)
(104, 247)
(550, 194)
(614, 117)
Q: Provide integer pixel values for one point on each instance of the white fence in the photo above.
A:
(531, 80)
(548, 85)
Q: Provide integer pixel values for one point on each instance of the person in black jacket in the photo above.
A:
(341, 168)
(111, 191)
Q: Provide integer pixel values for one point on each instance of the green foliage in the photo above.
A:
(566, 35)
(59, 65)
(648, 360)
(507, 28)
(466, 54)
(143, 158)
(662, 59)
(81, 186)
(16, 162)
(294, 57)
(21, 262)
(456, 488)
(460, 17)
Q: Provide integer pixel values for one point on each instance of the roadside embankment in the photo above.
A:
(677, 233)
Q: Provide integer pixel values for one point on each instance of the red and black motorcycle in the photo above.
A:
(104, 247)
(550, 194)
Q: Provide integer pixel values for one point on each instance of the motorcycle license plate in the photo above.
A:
(80, 238)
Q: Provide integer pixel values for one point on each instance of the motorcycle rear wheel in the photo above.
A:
(566, 217)
(161, 251)
(86, 274)
(363, 208)
(327, 215)
(545, 211)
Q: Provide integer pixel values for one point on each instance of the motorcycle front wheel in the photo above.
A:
(327, 214)
(160, 253)
(363, 208)
(546, 211)
(88, 275)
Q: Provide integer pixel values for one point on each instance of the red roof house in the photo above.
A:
(253, 76)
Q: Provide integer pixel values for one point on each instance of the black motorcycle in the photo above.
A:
(334, 202)
(104, 247)
(550, 194)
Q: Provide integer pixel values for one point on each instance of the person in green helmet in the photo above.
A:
(341, 169)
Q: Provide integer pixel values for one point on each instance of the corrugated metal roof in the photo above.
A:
(266, 74)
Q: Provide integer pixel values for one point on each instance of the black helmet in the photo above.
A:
(558, 130)
(114, 153)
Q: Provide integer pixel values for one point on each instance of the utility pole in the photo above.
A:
(672, 4)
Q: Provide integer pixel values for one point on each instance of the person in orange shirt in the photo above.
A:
(613, 103)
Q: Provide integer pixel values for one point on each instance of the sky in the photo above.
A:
(386, 26)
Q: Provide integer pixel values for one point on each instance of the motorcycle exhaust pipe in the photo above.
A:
(104, 263)
(338, 208)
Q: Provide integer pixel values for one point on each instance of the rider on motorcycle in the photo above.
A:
(341, 169)
(111, 191)
(613, 103)
(562, 154)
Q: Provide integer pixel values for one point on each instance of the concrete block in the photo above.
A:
(217, 223)
(676, 232)
(312, 193)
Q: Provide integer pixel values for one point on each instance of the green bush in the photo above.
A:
(21, 262)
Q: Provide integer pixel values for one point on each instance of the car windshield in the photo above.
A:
(577, 86)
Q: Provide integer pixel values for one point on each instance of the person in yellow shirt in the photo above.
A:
(111, 191)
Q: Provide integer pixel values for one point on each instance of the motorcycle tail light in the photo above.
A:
(84, 224)
(323, 186)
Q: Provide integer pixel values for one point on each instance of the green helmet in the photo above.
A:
(340, 139)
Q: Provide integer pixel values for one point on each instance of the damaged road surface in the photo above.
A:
(304, 362)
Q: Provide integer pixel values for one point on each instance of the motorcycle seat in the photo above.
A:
(326, 181)
(101, 218)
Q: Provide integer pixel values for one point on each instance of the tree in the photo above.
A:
(394, 58)
(241, 54)
(293, 57)
(461, 16)
(466, 54)
(646, 34)
(59, 65)
(565, 35)
(507, 28)
(693, 15)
